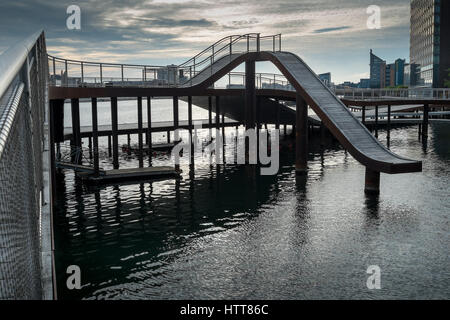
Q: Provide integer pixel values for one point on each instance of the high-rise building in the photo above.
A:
(326, 78)
(377, 71)
(430, 42)
(399, 72)
(390, 75)
(364, 83)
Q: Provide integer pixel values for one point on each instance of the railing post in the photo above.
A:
(54, 71)
(273, 39)
(121, 70)
(66, 75)
(101, 73)
(231, 45)
(82, 72)
(211, 63)
(279, 48)
(258, 44)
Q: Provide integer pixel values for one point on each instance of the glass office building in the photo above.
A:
(377, 71)
(430, 42)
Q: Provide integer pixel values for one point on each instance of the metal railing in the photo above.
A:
(76, 73)
(23, 83)
(406, 93)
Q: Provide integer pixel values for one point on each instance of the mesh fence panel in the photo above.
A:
(21, 179)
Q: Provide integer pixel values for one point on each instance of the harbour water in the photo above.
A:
(226, 232)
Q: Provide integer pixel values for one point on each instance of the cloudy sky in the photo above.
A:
(329, 35)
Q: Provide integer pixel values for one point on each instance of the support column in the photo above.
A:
(250, 95)
(210, 116)
(115, 140)
(301, 139)
(389, 126)
(426, 109)
(217, 123)
(389, 121)
(149, 130)
(95, 136)
(140, 131)
(363, 115)
(372, 181)
(76, 134)
(322, 135)
(376, 121)
(191, 153)
(90, 147)
(109, 147)
(55, 126)
(175, 118)
(277, 123)
(129, 144)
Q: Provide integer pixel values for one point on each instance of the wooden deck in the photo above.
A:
(132, 128)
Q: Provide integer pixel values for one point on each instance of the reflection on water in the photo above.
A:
(228, 232)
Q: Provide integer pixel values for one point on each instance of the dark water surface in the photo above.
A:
(225, 232)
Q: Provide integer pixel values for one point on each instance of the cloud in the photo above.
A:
(141, 31)
(324, 30)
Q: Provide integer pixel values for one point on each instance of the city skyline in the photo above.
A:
(136, 32)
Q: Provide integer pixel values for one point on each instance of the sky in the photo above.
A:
(330, 35)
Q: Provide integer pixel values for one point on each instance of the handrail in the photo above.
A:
(12, 60)
(172, 75)
(216, 43)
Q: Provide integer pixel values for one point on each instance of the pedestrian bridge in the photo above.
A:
(35, 85)
(197, 76)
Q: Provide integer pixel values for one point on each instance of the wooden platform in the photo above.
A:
(78, 167)
(133, 174)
